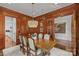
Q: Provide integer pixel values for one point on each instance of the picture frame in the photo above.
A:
(60, 28)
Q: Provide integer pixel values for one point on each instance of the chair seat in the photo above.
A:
(37, 51)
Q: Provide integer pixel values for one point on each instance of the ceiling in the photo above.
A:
(34, 10)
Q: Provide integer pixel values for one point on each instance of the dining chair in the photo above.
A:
(32, 49)
(46, 36)
(34, 36)
(25, 45)
(40, 36)
(21, 41)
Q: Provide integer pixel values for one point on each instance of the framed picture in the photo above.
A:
(60, 28)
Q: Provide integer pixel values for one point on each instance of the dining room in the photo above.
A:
(41, 29)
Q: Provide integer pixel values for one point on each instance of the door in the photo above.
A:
(14, 29)
(10, 31)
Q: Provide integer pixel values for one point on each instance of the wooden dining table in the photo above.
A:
(45, 45)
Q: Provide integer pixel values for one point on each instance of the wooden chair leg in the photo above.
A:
(20, 48)
(43, 53)
(23, 50)
(48, 53)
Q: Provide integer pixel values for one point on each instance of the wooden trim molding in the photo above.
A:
(73, 46)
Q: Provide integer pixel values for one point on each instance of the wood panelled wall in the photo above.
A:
(69, 10)
(46, 19)
(77, 29)
(21, 21)
(2, 36)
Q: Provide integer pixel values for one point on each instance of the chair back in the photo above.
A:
(40, 36)
(46, 36)
(31, 43)
(34, 36)
(24, 41)
(20, 38)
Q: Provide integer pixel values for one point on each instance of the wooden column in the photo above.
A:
(77, 33)
(73, 46)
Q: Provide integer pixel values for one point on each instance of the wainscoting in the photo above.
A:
(63, 44)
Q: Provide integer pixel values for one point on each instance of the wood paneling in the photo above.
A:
(69, 10)
(21, 21)
(46, 18)
(64, 44)
(2, 38)
(77, 30)
(52, 15)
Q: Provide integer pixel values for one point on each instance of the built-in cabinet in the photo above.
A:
(41, 27)
(50, 29)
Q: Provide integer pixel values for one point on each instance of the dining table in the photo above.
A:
(45, 45)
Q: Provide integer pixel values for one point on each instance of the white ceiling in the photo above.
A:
(38, 8)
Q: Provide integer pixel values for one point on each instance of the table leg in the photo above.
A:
(44, 53)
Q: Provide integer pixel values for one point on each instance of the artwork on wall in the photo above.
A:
(60, 28)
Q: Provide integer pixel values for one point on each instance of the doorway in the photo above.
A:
(10, 31)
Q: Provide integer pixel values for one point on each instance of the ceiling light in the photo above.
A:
(32, 23)
(55, 3)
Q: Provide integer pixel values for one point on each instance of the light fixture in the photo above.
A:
(55, 3)
(32, 23)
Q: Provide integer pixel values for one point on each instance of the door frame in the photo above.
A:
(4, 25)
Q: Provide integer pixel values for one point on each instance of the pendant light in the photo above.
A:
(32, 23)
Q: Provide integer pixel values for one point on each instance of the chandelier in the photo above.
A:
(32, 23)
